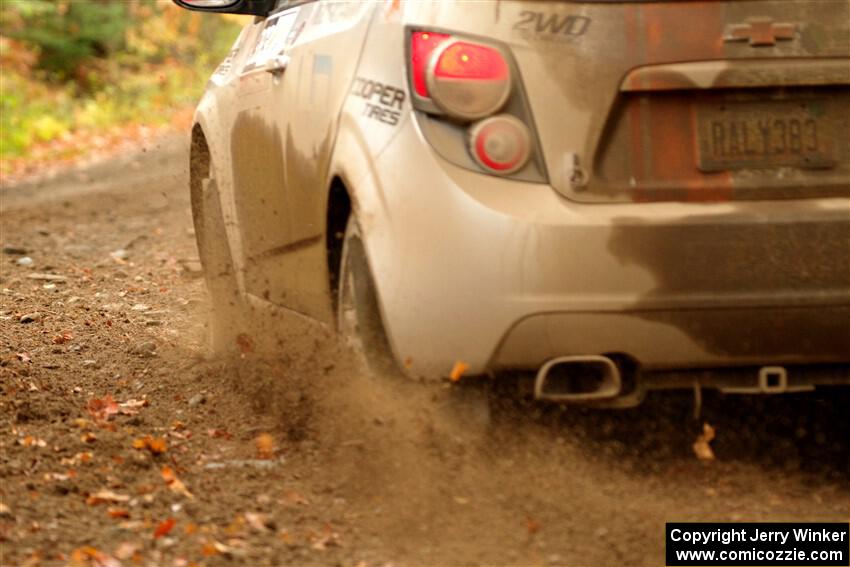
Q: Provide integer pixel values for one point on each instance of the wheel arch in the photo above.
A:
(339, 209)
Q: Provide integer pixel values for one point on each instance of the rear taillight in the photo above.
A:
(468, 80)
(500, 144)
(472, 108)
(422, 45)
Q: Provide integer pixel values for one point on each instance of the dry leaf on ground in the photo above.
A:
(106, 496)
(63, 338)
(219, 433)
(174, 483)
(155, 445)
(88, 437)
(127, 549)
(458, 371)
(257, 521)
(265, 446)
(30, 441)
(164, 527)
(702, 447)
(132, 407)
(328, 538)
(84, 556)
(102, 410)
(213, 547)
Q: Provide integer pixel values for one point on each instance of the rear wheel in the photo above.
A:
(358, 314)
(226, 309)
(466, 407)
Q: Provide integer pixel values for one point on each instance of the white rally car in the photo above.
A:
(610, 197)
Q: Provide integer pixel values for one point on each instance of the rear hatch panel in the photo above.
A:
(649, 101)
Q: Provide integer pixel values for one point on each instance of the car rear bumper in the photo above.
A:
(498, 274)
(684, 338)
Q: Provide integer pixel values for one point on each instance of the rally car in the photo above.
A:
(609, 197)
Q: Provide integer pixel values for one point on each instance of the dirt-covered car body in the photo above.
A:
(684, 200)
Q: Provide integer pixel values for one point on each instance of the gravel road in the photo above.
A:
(122, 441)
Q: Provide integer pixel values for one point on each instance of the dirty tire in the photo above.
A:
(226, 304)
(358, 314)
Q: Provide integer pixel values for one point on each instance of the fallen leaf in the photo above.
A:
(23, 357)
(132, 407)
(218, 433)
(63, 338)
(458, 371)
(118, 512)
(532, 525)
(127, 549)
(256, 521)
(168, 474)
(174, 483)
(702, 447)
(265, 446)
(213, 547)
(30, 441)
(156, 445)
(80, 458)
(106, 496)
(60, 477)
(328, 538)
(83, 556)
(88, 437)
(134, 525)
(102, 410)
(209, 549)
(164, 527)
(178, 435)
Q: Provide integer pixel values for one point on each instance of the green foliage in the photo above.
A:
(71, 65)
(68, 34)
(30, 113)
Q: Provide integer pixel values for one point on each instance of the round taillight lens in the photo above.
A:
(468, 80)
(501, 144)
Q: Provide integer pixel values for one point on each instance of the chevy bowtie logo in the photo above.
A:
(760, 32)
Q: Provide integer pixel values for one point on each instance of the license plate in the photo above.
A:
(764, 135)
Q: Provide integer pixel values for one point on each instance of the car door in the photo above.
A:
(260, 203)
(293, 88)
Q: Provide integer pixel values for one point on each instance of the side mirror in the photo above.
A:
(252, 7)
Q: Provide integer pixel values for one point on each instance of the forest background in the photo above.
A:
(82, 76)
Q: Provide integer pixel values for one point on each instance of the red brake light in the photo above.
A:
(501, 144)
(463, 60)
(468, 80)
(422, 44)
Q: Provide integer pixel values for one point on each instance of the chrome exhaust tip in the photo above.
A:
(578, 379)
